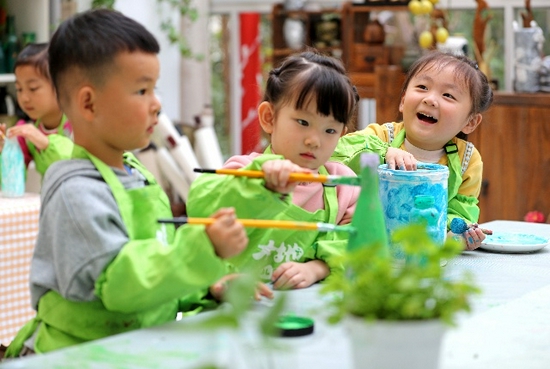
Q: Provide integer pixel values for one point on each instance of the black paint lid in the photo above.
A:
(294, 326)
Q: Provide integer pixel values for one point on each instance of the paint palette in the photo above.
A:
(514, 243)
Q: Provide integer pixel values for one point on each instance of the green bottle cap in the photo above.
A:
(294, 326)
(424, 201)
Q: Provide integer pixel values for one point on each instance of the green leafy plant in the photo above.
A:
(109, 4)
(380, 289)
(186, 11)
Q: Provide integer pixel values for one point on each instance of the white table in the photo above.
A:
(509, 327)
(18, 230)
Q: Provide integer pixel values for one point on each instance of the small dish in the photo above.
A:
(510, 242)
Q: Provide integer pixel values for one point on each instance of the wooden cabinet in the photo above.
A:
(321, 30)
(514, 142)
(359, 56)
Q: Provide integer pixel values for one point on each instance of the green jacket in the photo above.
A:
(60, 147)
(157, 273)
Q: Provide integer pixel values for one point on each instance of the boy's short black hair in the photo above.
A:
(89, 42)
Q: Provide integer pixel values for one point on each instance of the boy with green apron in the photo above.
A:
(102, 264)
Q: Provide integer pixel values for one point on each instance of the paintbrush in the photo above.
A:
(261, 223)
(459, 226)
(2, 135)
(295, 177)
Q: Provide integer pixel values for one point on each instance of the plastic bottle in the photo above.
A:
(13, 169)
(424, 211)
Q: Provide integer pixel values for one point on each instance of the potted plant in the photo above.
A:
(396, 313)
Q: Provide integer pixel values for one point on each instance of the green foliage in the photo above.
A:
(109, 4)
(240, 298)
(379, 288)
(183, 7)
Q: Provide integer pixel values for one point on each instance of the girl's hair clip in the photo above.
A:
(476, 66)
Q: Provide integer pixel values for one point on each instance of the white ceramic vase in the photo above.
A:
(395, 344)
(294, 32)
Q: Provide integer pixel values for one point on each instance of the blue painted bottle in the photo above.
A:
(425, 212)
(13, 169)
(398, 189)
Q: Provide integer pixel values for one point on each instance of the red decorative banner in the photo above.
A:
(250, 83)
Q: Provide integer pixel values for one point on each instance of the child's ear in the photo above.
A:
(85, 100)
(401, 104)
(472, 123)
(266, 116)
(344, 131)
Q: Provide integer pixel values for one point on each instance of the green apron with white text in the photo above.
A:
(269, 249)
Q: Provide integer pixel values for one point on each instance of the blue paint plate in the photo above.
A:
(513, 243)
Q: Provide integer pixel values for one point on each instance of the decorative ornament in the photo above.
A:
(432, 20)
(534, 216)
(481, 19)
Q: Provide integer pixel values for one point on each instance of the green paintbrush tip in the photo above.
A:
(342, 180)
(327, 227)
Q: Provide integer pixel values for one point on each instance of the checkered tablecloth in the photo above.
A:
(18, 230)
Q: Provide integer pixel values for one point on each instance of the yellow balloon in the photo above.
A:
(426, 39)
(441, 35)
(427, 6)
(415, 7)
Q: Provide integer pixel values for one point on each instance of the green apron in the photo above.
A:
(61, 322)
(277, 246)
(59, 147)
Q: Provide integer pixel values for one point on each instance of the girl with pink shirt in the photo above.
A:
(308, 104)
(49, 137)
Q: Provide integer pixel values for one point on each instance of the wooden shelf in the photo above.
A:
(514, 144)
(359, 58)
(310, 20)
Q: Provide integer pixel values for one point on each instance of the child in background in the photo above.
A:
(102, 264)
(308, 103)
(442, 99)
(48, 138)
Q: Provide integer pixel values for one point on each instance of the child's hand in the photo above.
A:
(400, 159)
(472, 238)
(299, 275)
(226, 234)
(218, 289)
(276, 174)
(31, 133)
